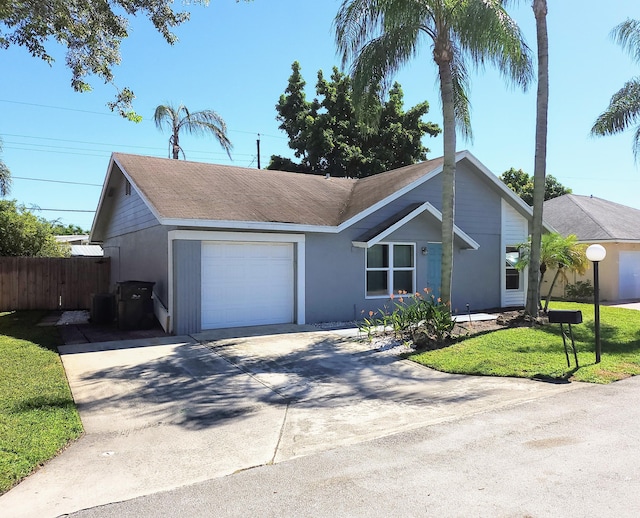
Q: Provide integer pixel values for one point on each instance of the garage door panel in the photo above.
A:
(629, 275)
(247, 284)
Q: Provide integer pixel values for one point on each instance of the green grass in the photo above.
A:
(538, 352)
(38, 417)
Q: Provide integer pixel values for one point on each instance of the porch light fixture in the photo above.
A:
(595, 254)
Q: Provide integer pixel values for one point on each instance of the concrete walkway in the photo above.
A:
(163, 413)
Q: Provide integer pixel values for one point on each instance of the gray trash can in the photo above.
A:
(135, 305)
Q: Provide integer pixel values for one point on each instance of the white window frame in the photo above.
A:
(507, 268)
(390, 269)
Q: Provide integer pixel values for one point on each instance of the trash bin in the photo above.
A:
(135, 305)
(103, 308)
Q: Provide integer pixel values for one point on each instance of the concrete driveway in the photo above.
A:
(163, 413)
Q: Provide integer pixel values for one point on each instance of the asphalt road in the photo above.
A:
(575, 453)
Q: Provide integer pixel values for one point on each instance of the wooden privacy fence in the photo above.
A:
(51, 283)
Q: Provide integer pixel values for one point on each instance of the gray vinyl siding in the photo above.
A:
(476, 277)
(140, 256)
(335, 270)
(129, 212)
(187, 295)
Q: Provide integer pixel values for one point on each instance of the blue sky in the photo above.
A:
(235, 58)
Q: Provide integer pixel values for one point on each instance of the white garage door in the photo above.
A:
(629, 275)
(247, 284)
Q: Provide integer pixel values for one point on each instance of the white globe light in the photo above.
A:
(596, 253)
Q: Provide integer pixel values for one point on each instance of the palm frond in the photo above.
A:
(196, 123)
(486, 32)
(622, 112)
(461, 88)
(165, 114)
(627, 35)
(380, 59)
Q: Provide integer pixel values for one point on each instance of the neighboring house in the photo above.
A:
(86, 251)
(229, 246)
(74, 239)
(614, 226)
(80, 245)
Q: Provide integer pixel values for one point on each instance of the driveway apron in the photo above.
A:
(340, 391)
(166, 412)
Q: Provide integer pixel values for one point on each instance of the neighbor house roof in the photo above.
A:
(592, 219)
(210, 195)
(86, 251)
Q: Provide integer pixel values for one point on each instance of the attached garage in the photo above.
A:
(247, 284)
(225, 279)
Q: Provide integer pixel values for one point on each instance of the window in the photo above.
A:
(390, 268)
(512, 274)
(127, 188)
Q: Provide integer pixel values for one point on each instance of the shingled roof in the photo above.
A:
(186, 191)
(592, 219)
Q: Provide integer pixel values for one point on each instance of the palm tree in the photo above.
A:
(5, 177)
(380, 36)
(558, 253)
(540, 163)
(196, 123)
(624, 107)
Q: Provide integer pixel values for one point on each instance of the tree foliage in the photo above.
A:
(59, 229)
(624, 108)
(197, 123)
(328, 137)
(522, 184)
(91, 30)
(5, 176)
(557, 253)
(24, 234)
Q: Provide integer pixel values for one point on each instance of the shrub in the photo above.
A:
(410, 314)
(581, 291)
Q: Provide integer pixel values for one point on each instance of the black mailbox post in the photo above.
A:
(566, 316)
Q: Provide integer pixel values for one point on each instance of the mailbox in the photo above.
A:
(565, 316)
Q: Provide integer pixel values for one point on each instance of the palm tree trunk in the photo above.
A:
(448, 178)
(539, 173)
(175, 146)
(553, 283)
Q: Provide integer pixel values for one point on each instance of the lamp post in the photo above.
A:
(595, 254)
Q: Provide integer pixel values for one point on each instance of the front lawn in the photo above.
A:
(38, 417)
(538, 352)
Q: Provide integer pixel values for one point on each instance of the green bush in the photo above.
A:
(581, 291)
(411, 313)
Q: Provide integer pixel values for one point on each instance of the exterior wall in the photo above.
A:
(515, 230)
(187, 295)
(135, 241)
(140, 256)
(128, 212)
(609, 279)
(335, 274)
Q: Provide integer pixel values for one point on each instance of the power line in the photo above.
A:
(109, 114)
(58, 108)
(55, 181)
(63, 210)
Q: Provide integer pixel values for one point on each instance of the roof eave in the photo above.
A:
(470, 243)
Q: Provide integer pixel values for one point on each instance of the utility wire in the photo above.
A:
(55, 181)
(63, 210)
(109, 114)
